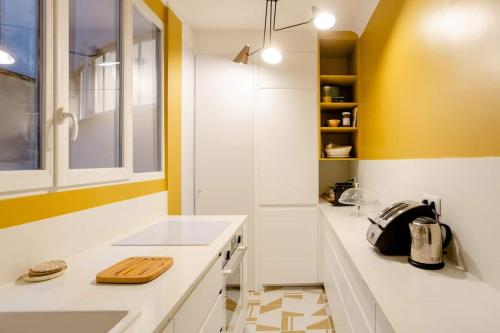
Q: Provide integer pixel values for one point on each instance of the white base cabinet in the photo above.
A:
(200, 304)
(353, 307)
(288, 245)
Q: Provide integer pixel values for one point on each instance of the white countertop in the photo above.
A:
(157, 301)
(412, 299)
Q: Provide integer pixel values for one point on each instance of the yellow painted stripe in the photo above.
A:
(157, 7)
(27, 209)
(174, 111)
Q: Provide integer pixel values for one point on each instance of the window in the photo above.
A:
(25, 106)
(147, 93)
(92, 92)
(81, 90)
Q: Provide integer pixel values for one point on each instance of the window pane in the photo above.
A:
(146, 95)
(94, 80)
(20, 63)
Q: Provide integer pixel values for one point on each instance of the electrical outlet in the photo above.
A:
(430, 198)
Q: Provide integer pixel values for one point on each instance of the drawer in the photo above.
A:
(361, 320)
(335, 303)
(169, 328)
(363, 295)
(216, 319)
(196, 308)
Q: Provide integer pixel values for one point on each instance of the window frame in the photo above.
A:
(64, 176)
(54, 174)
(149, 15)
(12, 181)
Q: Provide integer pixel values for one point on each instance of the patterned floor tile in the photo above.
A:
(288, 310)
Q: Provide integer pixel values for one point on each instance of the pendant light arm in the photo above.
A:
(289, 26)
(265, 31)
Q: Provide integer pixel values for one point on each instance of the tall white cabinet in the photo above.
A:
(287, 171)
(224, 142)
(256, 154)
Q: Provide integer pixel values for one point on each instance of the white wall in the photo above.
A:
(187, 150)
(470, 193)
(63, 236)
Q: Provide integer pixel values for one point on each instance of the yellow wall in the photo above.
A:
(430, 80)
(174, 106)
(31, 208)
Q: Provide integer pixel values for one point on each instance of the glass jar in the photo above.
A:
(346, 119)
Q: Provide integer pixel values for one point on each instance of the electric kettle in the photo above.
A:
(428, 239)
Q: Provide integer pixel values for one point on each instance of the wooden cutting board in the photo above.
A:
(135, 270)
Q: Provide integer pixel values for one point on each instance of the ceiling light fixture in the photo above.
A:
(6, 58)
(270, 54)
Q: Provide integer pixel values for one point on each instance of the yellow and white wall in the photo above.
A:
(430, 115)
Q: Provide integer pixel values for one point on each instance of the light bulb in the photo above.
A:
(106, 64)
(324, 21)
(6, 59)
(272, 55)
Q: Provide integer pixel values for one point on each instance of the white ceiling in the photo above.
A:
(351, 15)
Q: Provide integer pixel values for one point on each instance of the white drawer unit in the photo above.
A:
(194, 312)
(169, 328)
(382, 323)
(216, 319)
(353, 307)
(335, 301)
(288, 245)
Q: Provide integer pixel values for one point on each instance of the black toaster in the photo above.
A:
(389, 231)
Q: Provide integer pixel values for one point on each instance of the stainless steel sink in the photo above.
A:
(66, 321)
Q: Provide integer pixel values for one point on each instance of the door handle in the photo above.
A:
(61, 116)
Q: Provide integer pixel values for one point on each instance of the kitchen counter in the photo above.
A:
(415, 300)
(157, 301)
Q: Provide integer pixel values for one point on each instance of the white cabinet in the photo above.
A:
(288, 245)
(216, 319)
(382, 323)
(224, 140)
(195, 310)
(169, 328)
(350, 301)
(287, 148)
(296, 71)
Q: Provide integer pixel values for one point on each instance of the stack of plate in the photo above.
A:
(342, 151)
(45, 271)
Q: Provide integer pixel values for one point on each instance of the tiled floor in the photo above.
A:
(288, 310)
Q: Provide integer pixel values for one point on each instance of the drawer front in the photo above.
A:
(360, 289)
(335, 303)
(169, 328)
(195, 310)
(216, 319)
(360, 321)
(382, 323)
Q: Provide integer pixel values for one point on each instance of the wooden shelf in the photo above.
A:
(341, 80)
(338, 159)
(338, 106)
(338, 129)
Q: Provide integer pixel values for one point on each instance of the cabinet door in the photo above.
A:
(297, 70)
(288, 245)
(224, 141)
(287, 165)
